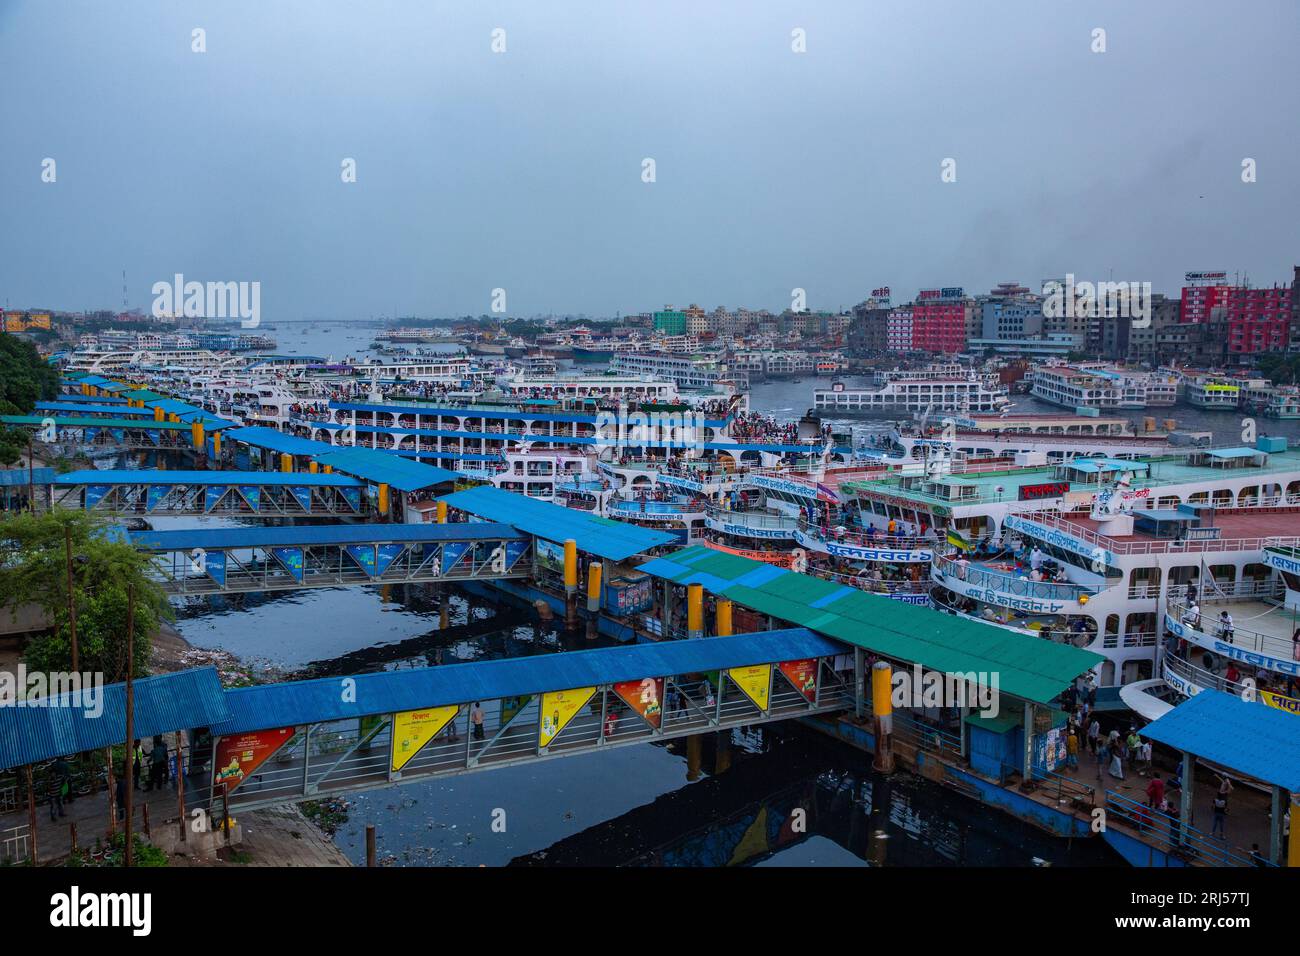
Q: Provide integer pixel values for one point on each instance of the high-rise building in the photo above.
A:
(938, 326)
(670, 321)
(1259, 320)
(1204, 291)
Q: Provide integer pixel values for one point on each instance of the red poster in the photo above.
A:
(238, 757)
(803, 674)
(645, 696)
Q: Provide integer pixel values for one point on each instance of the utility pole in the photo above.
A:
(130, 717)
(72, 597)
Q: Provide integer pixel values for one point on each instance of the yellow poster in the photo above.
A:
(755, 681)
(1289, 704)
(412, 729)
(558, 708)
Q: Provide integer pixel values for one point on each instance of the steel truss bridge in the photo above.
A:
(248, 494)
(312, 759)
(233, 560)
(105, 432)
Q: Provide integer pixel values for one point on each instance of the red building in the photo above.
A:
(1198, 300)
(939, 326)
(1258, 319)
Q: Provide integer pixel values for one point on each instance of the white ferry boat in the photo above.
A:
(1104, 387)
(915, 392)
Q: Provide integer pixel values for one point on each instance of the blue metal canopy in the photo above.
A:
(301, 702)
(1258, 741)
(186, 539)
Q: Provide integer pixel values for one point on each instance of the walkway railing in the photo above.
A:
(753, 519)
(860, 539)
(1173, 836)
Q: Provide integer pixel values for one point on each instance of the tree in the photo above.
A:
(25, 379)
(33, 569)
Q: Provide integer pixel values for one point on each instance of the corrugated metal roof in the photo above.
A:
(1030, 668)
(264, 437)
(124, 477)
(381, 467)
(1258, 741)
(288, 536)
(300, 702)
(604, 537)
(15, 477)
(168, 702)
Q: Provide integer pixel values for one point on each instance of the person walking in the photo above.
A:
(1072, 750)
(59, 784)
(476, 718)
(158, 764)
(1094, 734)
(137, 762)
(1219, 827)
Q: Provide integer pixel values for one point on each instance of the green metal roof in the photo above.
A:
(1031, 668)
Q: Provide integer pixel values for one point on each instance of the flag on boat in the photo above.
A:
(957, 541)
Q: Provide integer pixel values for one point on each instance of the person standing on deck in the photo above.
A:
(1155, 792)
(1094, 734)
(1072, 750)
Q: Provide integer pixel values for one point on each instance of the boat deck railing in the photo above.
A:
(1162, 546)
(1206, 624)
(754, 519)
(861, 539)
(1010, 583)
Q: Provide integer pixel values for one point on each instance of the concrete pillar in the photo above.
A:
(440, 511)
(383, 501)
(570, 585)
(694, 610)
(882, 685)
(216, 445)
(1027, 769)
(313, 466)
(286, 463)
(859, 663)
(200, 438)
(595, 570)
(157, 414)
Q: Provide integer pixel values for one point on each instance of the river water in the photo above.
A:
(653, 804)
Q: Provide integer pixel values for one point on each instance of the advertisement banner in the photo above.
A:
(550, 556)
(558, 708)
(352, 496)
(511, 706)
(212, 494)
(385, 555)
(755, 682)
(514, 551)
(94, 493)
(803, 675)
(452, 552)
(238, 757)
(644, 696)
(364, 555)
(1289, 704)
(214, 563)
(412, 729)
(155, 495)
(303, 494)
(252, 494)
(291, 560)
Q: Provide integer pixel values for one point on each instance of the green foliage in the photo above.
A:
(1281, 368)
(33, 569)
(143, 854)
(25, 379)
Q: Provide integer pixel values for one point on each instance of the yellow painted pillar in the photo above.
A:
(383, 500)
(694, 745)
(200, 436)
(286, 462)
(570, 566)
(440, 512)
(329, 469)
(216, 445)
(594, 572)
(1293, 841)
(882, 684)
(313, 467)
(175, 419)
(724, 618)
(157, 414)
(695, 610)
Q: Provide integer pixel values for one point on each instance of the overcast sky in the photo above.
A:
(523, 170)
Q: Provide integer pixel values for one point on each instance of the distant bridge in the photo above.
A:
(232, 560)
(247, 494)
